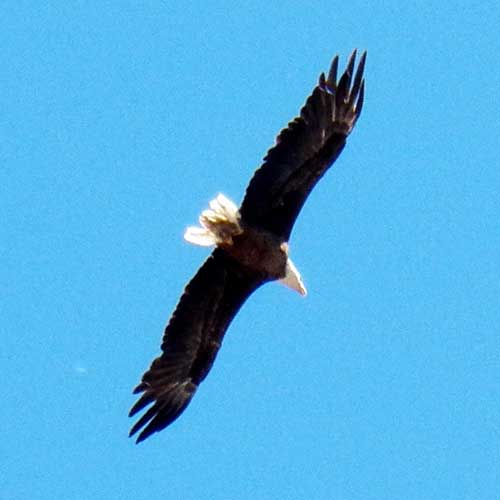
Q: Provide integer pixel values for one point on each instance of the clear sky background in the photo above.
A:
(119, 121)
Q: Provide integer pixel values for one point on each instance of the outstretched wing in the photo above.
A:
(191, 341)
(304, 150)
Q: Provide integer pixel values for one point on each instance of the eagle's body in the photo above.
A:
(259, 251)
(255, 248)
(251, 246)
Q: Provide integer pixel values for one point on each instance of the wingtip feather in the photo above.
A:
(140, 388)
(350, 67)
(141, 403)
(361, 98)
(342, 89)
(332, 74)
(358, 79)
(322, 81)
(144, 420)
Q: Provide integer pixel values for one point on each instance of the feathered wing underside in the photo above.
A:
(304, 150)
(191, 341)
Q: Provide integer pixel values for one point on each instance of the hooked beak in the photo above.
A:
(293, 279)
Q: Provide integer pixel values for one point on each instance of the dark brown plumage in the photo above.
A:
(238, 266)
(192, 339)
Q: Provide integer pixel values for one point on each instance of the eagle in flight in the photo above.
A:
(251, 245)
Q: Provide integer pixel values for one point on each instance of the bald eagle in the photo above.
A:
(251, 245)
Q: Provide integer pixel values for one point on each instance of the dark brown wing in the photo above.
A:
(191, 341)
(304, 151)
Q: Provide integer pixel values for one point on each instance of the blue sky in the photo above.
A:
(120, 121)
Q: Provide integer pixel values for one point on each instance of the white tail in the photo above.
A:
(219, 224)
